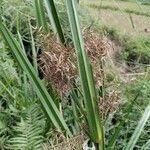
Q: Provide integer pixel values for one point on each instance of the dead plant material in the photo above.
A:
(109, 103)
(58, 63)
(67, 144)
(96, 48)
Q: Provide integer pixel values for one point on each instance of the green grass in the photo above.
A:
(134, 51)
(135, 24)
(126, 10)
(143, 2)
(120, 5)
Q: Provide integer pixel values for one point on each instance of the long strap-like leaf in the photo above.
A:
(54, 19)
(45, 99)
(40, 15)
(86, 76)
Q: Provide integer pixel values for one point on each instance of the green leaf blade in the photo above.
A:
(139, 129)
(45, 99)
(54, 20)
(40, 15)
(86, 76)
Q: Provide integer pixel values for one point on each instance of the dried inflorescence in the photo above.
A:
(96, 48)
(109, 103)
(60, 142)
(59, 64)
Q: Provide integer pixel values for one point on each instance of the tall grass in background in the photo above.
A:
(95, 125)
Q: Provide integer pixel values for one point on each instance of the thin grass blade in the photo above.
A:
(146, 145)
(40, 15)
(34, 52)
(127, 111)
(54, 19)
(139, 129)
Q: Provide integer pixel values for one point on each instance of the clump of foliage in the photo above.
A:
(28, 132)
(136, 51)
(132, 51)
(141, 85)
(143, 2)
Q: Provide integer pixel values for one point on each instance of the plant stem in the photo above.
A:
(99, 146)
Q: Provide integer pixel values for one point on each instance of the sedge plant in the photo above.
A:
(95, 125)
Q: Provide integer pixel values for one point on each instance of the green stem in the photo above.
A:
(99, 146)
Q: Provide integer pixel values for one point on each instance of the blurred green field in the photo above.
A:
(144, 2)
(128, 17)
(121, 5)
